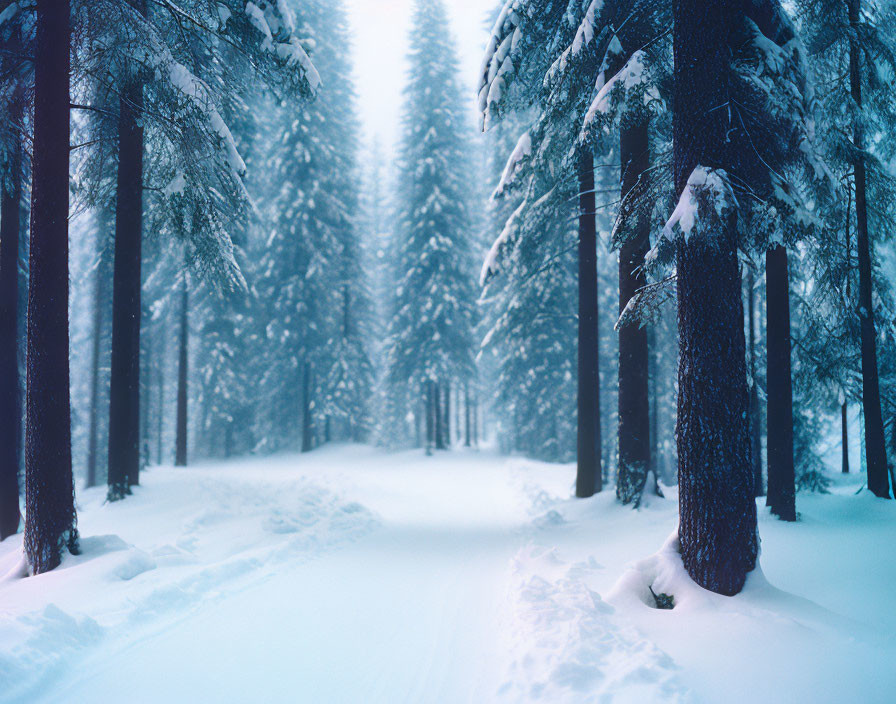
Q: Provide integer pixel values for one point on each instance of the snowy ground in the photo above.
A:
(350, 575)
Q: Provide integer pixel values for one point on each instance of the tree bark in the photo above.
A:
(755, 420)
(10, 224)
(160, 409)
(634, 382)
(717, 529)
(844, 439)
(875, 446)
(99, 302)
(588, 471)
(124, 384)
(180, 441)
(49, 488)
(781, 488)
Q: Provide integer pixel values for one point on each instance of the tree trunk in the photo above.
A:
(634, 391)
(99, 301)
(781, 489)
(124, 384)
(717, 529)
(844, 439)
(755, 420)
(307, 425)
(875, 447)
(160, 410)
(446, 430)
(476, 421)
(467, 429)
(588, 472)
(438, 416)
(49, 488)
(430, 416)
(10, 392)
(180, 442)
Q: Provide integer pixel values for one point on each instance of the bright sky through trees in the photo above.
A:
(381, 39)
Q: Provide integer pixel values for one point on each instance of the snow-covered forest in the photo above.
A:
(430, 351)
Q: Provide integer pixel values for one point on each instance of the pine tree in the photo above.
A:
(49, 487)
(431, 324)
(848, 47)
(11, 142)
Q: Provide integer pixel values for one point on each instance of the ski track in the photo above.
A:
(352, 575)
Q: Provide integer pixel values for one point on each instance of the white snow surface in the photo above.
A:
(353, 575)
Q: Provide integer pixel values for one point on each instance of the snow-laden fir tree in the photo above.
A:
(853, 52)
(310, 287)
(532, 303)
(431, 323)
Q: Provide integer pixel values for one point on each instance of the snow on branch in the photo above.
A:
(520, 153)
(633, 80)
(497, 62)
(643, 307)
(706, 188)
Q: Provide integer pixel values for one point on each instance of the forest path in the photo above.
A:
(409, 613)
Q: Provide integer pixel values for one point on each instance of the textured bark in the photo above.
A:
(844, 439)
(717, 529)
(49, 489)
(781, 487)
(634, 391)
(875, 447)
(588, 472)
(307, 424)
(96, 344)
(124, 384)
(10, 392)
(180, 440)
(755, 419)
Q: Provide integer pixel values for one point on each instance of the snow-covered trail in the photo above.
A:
(353, 575)
(410, 612)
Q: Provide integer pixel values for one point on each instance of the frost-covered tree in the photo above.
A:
(855, 55)
(311, 288)
(531, 305)
(431, 323)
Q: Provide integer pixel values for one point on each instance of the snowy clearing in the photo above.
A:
(352, 575)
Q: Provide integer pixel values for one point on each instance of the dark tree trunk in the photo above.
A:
(99, 302)
(49, 488)
(844, 440)
(160, 409)
(307, 424)
(755, 421)
(467, 429)
(588, 472)
(634, 391)
(124, 384)
(781, 488)
(717, 529)
(656, 462)
(875, 447)
(10, 392)
(180, 440)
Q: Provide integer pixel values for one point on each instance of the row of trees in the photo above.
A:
(145, 90)
(725, 150)
(228, 297)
